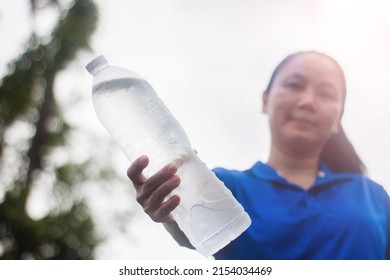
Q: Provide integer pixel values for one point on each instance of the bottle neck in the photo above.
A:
(97, 65)
(99, 68)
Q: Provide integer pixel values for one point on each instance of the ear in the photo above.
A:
(265, 102)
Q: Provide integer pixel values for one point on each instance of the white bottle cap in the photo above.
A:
(100, 60)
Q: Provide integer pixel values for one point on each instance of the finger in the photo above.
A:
(163, 214)
(134, 172)
(157, 187)
(158, 179)
(160, 194)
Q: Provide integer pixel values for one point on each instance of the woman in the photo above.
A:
(311, 200)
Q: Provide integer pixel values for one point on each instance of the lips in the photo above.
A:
(303, 121)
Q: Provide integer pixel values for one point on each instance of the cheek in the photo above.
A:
(279, 108)
(276, 112)
(278, 115)
(277, 102)
(332, 115)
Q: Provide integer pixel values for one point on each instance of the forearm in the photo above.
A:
(177, 234)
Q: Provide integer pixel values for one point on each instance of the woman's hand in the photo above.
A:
(151, 192)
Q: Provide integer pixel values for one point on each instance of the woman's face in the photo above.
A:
(305, 102)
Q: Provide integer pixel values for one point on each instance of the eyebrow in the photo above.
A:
(296, 75)
(302, 77)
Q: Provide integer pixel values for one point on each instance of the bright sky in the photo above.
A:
(209, 61)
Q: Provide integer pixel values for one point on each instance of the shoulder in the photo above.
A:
(371, 190)
(229, 176)
(370, 185)
(378, 191)
(358, 181)
(232, 177)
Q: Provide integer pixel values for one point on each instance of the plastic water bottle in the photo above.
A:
(141, 124)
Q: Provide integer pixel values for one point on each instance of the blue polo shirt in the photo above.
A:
(342, 216)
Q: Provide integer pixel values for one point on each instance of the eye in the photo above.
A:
(329, 95)
(294, 86)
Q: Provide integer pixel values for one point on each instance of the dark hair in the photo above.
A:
(338, 152)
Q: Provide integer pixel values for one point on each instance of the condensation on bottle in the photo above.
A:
(141, 124)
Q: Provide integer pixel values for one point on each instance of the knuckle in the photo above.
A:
(148, 184)
(148, 210)
(176, 181)
(164, 212)
(131, 173)
(140, 198)
(136, 186)
(156, 196)
(155, 217)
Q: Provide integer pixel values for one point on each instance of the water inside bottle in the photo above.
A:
(139, 121)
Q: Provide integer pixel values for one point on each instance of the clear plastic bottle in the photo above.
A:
(135, 116)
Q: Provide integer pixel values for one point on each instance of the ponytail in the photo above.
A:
(340, 155)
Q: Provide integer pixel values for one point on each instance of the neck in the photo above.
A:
(297, 167)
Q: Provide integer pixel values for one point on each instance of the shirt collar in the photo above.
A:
(325, 175)
(265, 171)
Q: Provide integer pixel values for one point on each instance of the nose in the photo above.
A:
(307, 100)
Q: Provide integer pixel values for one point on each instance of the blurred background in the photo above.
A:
(64, 193)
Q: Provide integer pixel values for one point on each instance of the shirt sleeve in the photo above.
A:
(386, 196)
(226, 177)
(388, 229)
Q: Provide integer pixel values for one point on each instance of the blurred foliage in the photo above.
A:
(32, 129)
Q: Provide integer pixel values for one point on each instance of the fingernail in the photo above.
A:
(143, 160)
(172, 168)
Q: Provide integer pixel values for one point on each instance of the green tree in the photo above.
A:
(32, 130)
